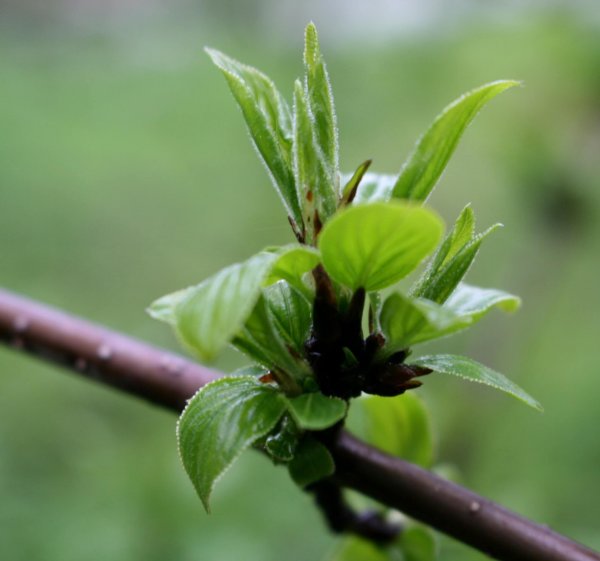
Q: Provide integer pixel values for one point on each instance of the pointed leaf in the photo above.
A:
(262, 341)
(439, 286)
(291, 314)
(268, 118)
(215, 310)
(373, 246)
(320, 100)
(315, 411)
(427, 162)
(208, 315)
(475, 372)
(163, 309)
(314, 178)
(400, 426)
(406, 321)
(223, 419)
(312, 462)
(352, 183)
(475, 302)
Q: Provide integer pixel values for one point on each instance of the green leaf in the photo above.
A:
(373, 246)
(352, 182)
(215, 310)
(418, 543)
(290, 313)
(312, 462)
(269, 122)
(427, 162)
(163, 309)
(406, 321)
(206, 317)
(223, 419)
(262, 341)
(475, 372)
(315, 411)
(356, 549)
(293, 263)
(314, 178)
(281, 445)
(400, 426)
(475, 302)
(320, 100)
(438, 286)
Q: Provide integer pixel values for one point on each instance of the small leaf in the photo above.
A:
(373, 246)
(418, 543)
(320, 100)
(475, 302)
(163, 309)
(460, 235)
(269, 122)
(207, 316)
(215, 310)
(290, 313)
(352, 183)
(315, 180)
(356, 549)
(427, 162)
(406, 321)
(400, 426)
(315, 411)
(292, 264)
(475, 372)
(312, 462)
(262, 341)
(440, 285)
(282, 444)
(223, 419)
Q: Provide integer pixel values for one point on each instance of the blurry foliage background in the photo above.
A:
(126, 172)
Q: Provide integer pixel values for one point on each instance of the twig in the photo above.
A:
(168, 380)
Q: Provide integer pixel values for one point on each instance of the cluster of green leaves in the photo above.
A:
(364, 232)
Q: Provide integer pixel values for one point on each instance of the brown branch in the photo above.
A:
(168, 380)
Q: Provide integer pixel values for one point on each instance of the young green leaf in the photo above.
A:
(290, 313)
(315, 411)
(223, 419)
(164, 308)
(269, 121)
(418, 543)
(320, 100)
(475, 372)
(215, 310)
(406, 321)
(460, 235)
(262, 341)
(312, 461)
(440, 285)
(427, 162)
(400, 426)
(373, 246)
(207, 316)
(352, 183)
(475, 302)
(314, 177)
(293, 263)
(358, 549)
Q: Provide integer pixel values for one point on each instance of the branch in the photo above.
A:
(167, 379)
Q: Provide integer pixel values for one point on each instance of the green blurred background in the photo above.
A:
(126, 173)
